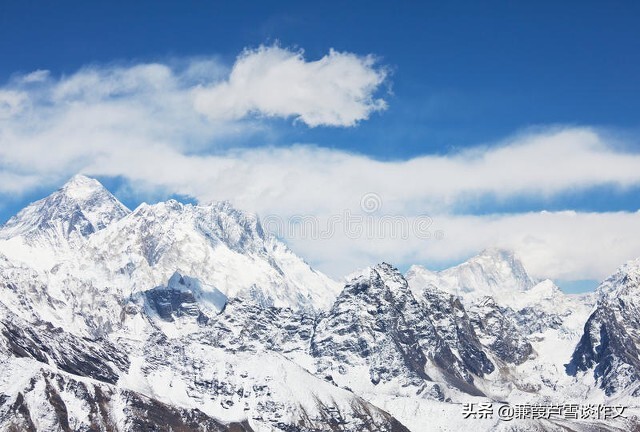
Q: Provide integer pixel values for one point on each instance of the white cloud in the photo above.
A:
(557, 245)
(149, 109)
(313, 180)
(36, 76)
(337, 90)
(305, 180)
(93, 84)
(17, 183)
(12, 103)
(142, 122)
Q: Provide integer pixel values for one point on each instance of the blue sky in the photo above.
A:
(465, 73)
(458, 76)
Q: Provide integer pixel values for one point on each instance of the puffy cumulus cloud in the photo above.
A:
(54, 125)
(336, 90)
(60, 125)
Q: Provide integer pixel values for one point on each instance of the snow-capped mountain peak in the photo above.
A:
(184, 296)
(495, 269)
(624, 281)
(81, 207)
(218, 221)
(215, 243)
(82, 187)
(494, 272)
(60, 222)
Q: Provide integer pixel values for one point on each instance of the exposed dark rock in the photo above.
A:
(611, 339)
(608, 348)
(455, 327)
(170, 302)
(94, 359)
(377, 320)
(500, 332)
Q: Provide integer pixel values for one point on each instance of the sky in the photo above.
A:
(508, 124)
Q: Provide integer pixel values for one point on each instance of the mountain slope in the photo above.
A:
(527, 328)
(609, 349)
(223, 247)
(191, 317)
(377, 325)
(75, 211)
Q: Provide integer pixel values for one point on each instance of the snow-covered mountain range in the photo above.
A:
(191, 317)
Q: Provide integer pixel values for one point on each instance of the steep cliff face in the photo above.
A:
(499, 331)
(456, 329)
(609, 348)
(188, 363)
(525, 328)
(376, 324)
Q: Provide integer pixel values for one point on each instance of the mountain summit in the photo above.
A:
(82, 225)
(217, 244)
(493, 272)
(78, 209)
